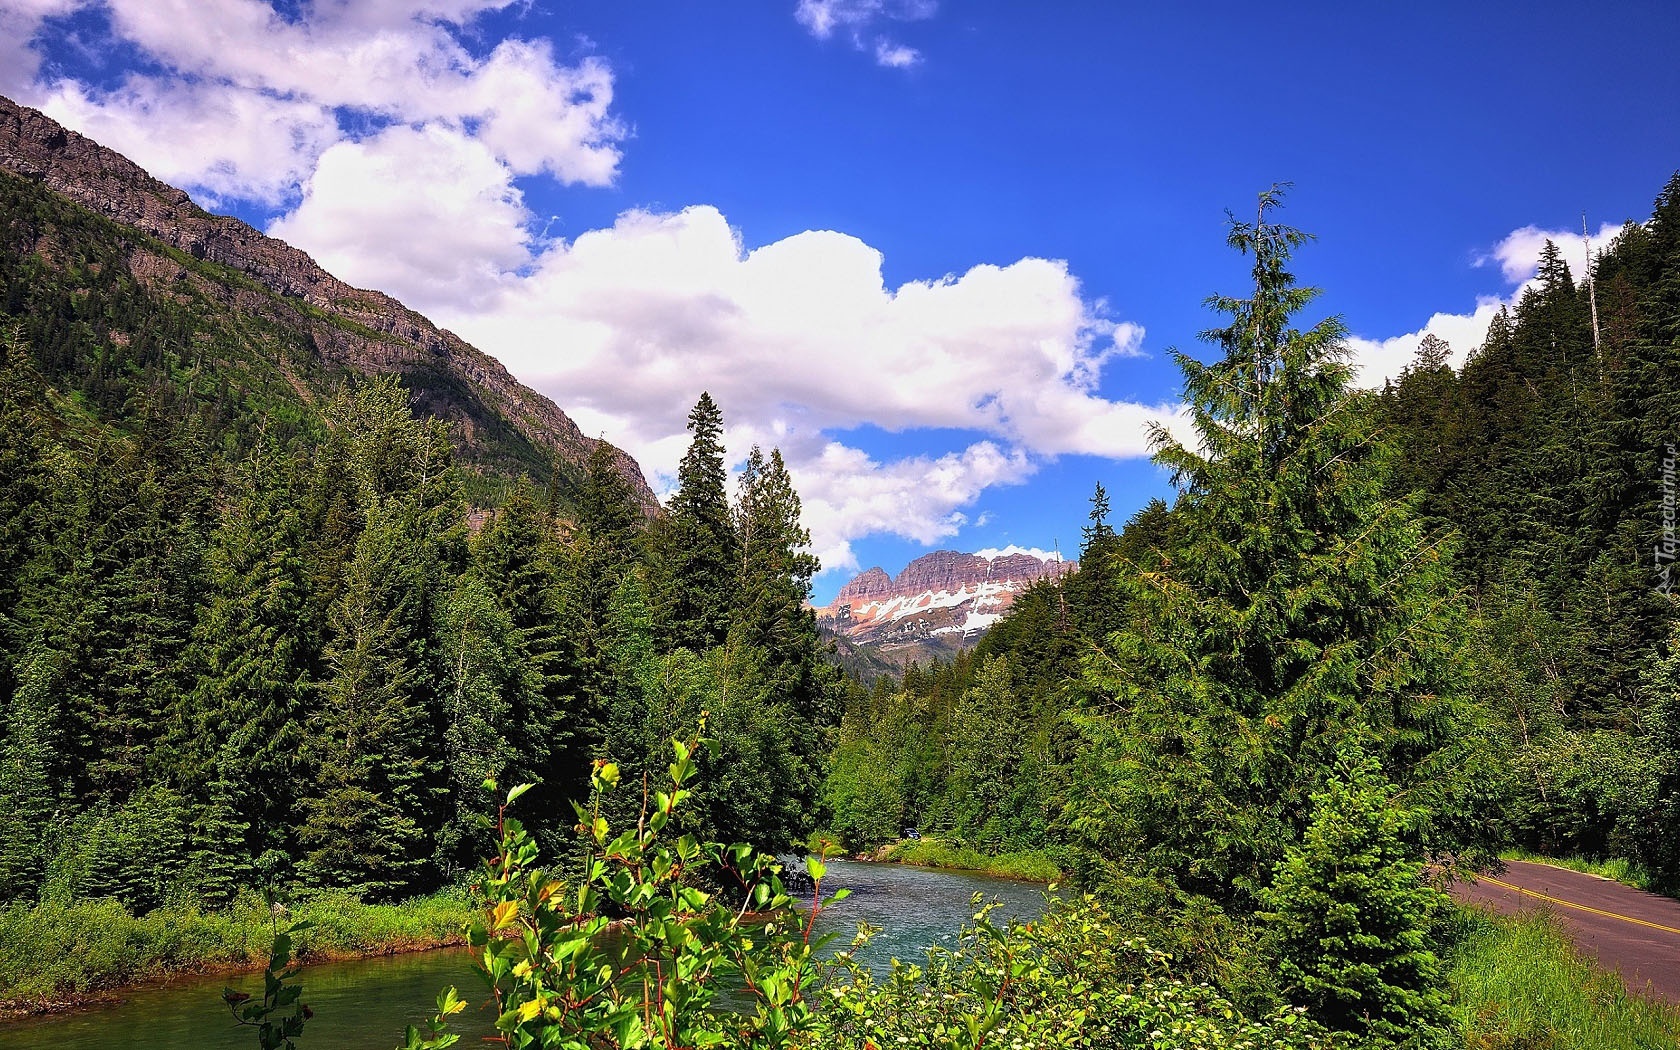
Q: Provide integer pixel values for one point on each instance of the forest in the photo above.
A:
(254, 642)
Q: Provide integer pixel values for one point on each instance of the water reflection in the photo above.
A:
(365, 1004)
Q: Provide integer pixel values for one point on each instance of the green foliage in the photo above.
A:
(638, 950)
(1518, 982)
(57, 951)
(1070, 980)
(1349, 913)
(693, 552)
(933, 852)
(280, 1014)
(665, 944)
(1299, 610)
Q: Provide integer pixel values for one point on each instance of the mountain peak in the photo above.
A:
(943, 600)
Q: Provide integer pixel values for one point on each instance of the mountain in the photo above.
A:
(96, 252)
(941, 601)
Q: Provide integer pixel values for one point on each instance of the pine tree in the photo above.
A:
(251, 653)
(22, 481)
(372, 747)
(30, 761)
(489, 676)
(985, 744)
(1349, 915)
(1301, 609)
(775, 634)
(549, 722)
(374, 734)
(220, 858)
(694, 553)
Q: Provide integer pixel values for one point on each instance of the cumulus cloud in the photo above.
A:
(20, 20)
(427, 214)
(801, 340)
(229, 145)
(847, 494)
(1517, 255)
(247, 100)
(390, 149)
(859, 22)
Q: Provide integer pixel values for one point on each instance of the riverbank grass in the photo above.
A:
(930, 852)
(53, 956)
(1518, 982)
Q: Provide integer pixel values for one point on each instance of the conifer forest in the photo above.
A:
(263, 635)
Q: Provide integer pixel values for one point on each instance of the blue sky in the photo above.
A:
(934, 250)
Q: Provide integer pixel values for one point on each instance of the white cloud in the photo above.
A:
(426, 214)
(20, 20)
(390, 151)
(847, 494)
(249, 100)
(801, 340)
(895, 56)
(233, 145)
(857, 20)
(1380, 360)
(1518, 254)
(1518, 257)
(993, 553)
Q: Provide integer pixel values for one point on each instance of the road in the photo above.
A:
(1628, 930)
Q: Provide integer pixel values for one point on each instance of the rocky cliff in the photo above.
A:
(941, 600)
(500, 424)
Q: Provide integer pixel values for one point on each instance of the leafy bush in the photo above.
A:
(687, 944)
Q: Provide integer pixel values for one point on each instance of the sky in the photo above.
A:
(938, 252)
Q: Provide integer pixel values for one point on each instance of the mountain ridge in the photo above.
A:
(941, 601)
(499, 422)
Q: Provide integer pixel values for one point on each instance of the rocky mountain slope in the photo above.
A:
(293, 315)
(941, 601)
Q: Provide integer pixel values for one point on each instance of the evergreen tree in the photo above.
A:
(1349, 915)
(1301, 609)
(693, 552)
(488, 678)
(774, 634)
(368, 819)
(378, 793)
(550, 720)
(989, 798)
(22, 482)
(220, 858)
(251, 654)
(29, 765)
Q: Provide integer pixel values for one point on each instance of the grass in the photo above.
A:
(54, 955)
(1029, 865)
(1518, 984)
(1615, 869)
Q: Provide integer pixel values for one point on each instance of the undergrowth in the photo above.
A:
(1517, 982)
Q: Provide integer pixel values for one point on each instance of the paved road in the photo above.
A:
(1628, 930)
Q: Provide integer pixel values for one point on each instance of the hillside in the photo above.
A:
(113, 272)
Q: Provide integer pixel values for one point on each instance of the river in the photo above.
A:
(365, 1004)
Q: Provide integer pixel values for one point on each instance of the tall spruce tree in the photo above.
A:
(693, 552)
(251, 656)
(1300, 610)
(375, 731)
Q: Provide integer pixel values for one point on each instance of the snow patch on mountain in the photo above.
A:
(946, 596)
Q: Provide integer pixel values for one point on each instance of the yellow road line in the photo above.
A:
(1579, 907)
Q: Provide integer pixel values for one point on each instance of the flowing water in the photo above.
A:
(365, 1004)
